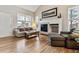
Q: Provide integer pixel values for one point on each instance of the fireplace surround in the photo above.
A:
(50, 26)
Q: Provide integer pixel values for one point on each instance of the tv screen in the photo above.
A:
(44, 27)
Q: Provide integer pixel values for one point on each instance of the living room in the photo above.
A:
(39, 29)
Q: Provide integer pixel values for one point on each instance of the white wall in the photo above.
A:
(5, 24)
(8, 18)
(63, 9)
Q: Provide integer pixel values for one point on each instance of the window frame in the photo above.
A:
(25, 21)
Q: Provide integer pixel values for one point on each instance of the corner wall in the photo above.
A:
(8, 18)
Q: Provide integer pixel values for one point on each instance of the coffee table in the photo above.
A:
(31, 34)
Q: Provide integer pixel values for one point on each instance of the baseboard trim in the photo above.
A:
(6, 37)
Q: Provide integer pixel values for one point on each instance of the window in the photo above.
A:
(24, 20)
(73, 17)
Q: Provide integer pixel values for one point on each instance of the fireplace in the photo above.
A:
(47, 26)
(54, 28)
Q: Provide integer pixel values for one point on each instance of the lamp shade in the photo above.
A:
(34, 24)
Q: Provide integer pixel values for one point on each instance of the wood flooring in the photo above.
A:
(34, 45)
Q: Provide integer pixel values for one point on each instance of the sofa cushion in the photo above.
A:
(29, 28)
(26, 29)
(75, 35)
(21, 29)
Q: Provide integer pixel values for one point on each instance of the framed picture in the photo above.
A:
(49, 13)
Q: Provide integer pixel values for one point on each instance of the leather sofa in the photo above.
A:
(73, 41)
(20, 32)
(70, 40)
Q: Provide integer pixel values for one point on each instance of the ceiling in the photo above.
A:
(32, 8)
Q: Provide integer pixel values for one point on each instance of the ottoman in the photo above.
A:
(56, 39)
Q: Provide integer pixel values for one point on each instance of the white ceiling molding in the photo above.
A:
(32, 8)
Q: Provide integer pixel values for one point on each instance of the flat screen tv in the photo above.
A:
(44, 27)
